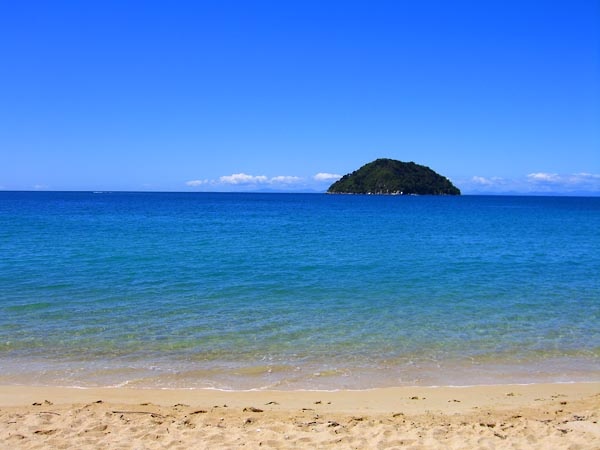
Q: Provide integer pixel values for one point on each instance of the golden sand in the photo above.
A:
(544, 416)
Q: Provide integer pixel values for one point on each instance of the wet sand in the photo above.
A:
(507, 416)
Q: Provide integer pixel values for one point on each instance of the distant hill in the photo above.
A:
(392, 177)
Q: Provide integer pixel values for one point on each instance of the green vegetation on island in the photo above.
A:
(392, 177)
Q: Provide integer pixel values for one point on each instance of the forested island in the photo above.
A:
(393, 177)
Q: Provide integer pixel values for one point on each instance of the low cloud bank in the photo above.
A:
(535, 182)
(243, 181)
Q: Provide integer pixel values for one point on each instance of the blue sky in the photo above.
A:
(499, 96)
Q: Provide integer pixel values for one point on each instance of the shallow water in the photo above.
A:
(240, 291)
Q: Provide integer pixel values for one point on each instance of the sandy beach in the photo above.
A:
(505, 416)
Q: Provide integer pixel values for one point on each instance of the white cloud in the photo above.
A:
(196, 183)
(544, 177)
(40, 187)
(324, 176)
(243, 178)
(284, 179)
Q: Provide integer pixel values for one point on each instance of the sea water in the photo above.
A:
(297, 291)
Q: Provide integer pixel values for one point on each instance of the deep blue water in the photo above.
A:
(297, 290)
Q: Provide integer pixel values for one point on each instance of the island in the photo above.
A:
(392, 177)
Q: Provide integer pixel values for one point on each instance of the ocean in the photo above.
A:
(297, 291)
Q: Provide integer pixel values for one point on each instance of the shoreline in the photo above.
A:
(550, 415)
(384, 399)
(294, 377)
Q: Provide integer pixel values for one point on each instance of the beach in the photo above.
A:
(501, 416)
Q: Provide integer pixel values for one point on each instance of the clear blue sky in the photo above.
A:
(496, 95)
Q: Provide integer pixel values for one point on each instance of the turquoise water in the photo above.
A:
(240, 291)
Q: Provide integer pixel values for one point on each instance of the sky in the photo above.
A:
(499, 96)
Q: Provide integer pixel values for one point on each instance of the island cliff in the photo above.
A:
(392, 177)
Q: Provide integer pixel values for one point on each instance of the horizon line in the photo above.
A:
(473, 194)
